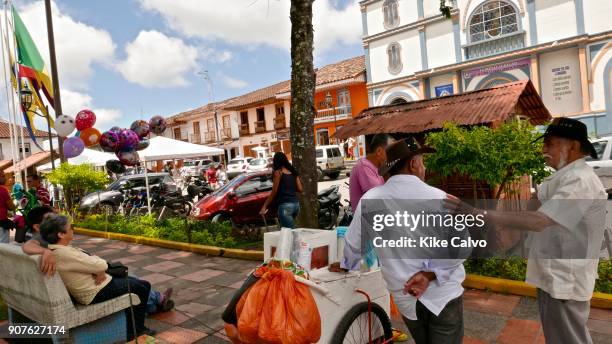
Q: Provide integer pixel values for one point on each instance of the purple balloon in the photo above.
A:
(73, 147)
(115, 129)
(128, 158)
(141, 128)
(109, 141)
(128, 140)
(157, 125)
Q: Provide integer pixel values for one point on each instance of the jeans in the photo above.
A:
(153, 301)
(5, 236)
(446, 328)
(118, 287)
(287, 212)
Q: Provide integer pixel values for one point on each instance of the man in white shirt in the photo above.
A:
(571, 215)
(428, 292)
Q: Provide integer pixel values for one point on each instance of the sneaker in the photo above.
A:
(166, 305)
(399, 336)
(166, 295)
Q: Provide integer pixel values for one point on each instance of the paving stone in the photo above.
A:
(193, 309)
(470, 340)
(601, 314)
(600, 326)
(179, 335)
(520, 331)
(141, 249)
(195, 324)
(175, 254)
(217, 295)
(163, 266)
(156, 278)
(212, 318)
(172, 317)
(186, 269)
(483, 327)
(213, 340)
(227, 279)
(202, 275)
(600, 338)
(527, 308)
(157, 325)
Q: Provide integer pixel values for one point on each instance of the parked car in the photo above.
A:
(113, 195)
(237, 166)
(259, 164)
(195, 167)
(240, 200)
(329, 161)
(603, 164)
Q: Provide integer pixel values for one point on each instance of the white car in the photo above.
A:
(603, 164)
(259, 164)
(195, 167)
(329, 161)
(237, 166)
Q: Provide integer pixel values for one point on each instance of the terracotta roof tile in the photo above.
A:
(469, 108)
(5, 131)
(258, 96)
(347, 69)
(198, 112)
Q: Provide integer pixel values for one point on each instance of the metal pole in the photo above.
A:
(57, 100)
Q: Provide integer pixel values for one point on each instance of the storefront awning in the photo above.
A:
(470, 108)
(33, 160)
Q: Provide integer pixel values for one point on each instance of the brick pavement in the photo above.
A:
(203, 285)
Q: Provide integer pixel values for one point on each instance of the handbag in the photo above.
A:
(117, 269)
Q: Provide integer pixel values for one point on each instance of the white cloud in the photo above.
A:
(78, 45)
(249, 22)
(156, 60)
(233, 82)
(215, 56)
(73, 102)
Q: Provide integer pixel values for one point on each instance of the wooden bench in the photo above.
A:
(34, 298)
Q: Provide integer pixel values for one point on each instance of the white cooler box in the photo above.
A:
(324, 245)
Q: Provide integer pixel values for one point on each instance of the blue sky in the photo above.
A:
(132, 59)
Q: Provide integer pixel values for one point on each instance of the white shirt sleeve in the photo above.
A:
(570, 202)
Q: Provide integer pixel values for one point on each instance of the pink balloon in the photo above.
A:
(85, 119)
(109, 142)
(128, 140)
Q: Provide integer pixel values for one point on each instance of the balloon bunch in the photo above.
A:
(86, 136)
(126, 143)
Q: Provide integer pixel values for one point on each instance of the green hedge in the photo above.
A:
(175, 229)
(516, 268)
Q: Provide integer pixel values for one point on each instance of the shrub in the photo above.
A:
(77, 180)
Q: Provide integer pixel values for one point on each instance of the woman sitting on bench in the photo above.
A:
(76, 268)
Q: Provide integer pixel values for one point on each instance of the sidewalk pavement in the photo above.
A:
(203, 285)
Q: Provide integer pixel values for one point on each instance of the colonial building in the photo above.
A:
(29, 146)
(340, 94)
(564, 47)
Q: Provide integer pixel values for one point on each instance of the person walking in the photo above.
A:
(6, 204)
(286, 183)
(569, 223)
(211, 176)
(364, 175)
(221, 175)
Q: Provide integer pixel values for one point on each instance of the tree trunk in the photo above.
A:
(302, 108)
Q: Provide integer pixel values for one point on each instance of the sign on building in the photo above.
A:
(493, 75)
(560, 81)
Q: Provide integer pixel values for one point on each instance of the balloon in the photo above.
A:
(141, 128)
(158, 125)
(115, 166)
(128, 140)
(129, 158)
(64, 125)
(85, 119)
(109, 141)
(144, 143)
(115, 129)
(90, 136)
(73, 147)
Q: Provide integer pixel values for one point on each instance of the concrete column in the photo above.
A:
(535, 73)
(584, 79)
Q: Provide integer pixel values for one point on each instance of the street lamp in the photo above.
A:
(211, 95)
(27, 98)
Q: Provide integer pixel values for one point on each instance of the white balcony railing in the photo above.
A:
(333, 114)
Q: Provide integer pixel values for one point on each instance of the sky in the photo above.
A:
(133, 59)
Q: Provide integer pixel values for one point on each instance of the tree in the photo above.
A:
(302, 108)
(496, 156)
(77, 180)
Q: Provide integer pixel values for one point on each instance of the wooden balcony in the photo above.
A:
(279, 123)
(196, 138)
(244, 129)
(226, 133)
(260, 126)
(333, 114)
(210, 137)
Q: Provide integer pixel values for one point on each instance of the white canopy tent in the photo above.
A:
(163, 148)
(89, 156)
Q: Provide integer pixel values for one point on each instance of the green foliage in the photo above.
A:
(516, 269)
(445, 10)
(77, 180)
(496, 156)
(174, 229)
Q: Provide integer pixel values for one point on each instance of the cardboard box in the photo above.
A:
(324, 245)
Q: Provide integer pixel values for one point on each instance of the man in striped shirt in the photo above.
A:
(42, 194)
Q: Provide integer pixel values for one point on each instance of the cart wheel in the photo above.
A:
(353, 328)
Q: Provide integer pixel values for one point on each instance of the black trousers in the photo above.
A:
(446, 328)
(118, 287)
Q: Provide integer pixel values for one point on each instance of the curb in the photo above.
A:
(500, 285)
(195, 248)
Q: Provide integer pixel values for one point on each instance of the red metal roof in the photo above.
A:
(469, 108)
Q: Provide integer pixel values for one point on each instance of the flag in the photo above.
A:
(31, 66)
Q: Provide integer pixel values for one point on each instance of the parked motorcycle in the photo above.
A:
(347, 214)
(197, 188)
(329, 207)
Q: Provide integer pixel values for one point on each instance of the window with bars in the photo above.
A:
(394, 57)
(390, 14)
(493, 19)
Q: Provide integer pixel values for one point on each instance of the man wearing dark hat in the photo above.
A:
(572, 201)
(427, 292)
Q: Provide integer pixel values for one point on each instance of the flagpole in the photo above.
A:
(7, 84)
(54, 78)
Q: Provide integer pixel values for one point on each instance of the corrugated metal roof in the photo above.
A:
(33, 160)
(469, 108)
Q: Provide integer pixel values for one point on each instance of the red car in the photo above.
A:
(239, 201)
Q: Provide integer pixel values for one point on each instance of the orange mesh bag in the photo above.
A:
(278, 310)
(395, 313)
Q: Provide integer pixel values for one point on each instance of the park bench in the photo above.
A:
(34, 298)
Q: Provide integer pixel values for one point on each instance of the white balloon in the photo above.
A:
(64, 125)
